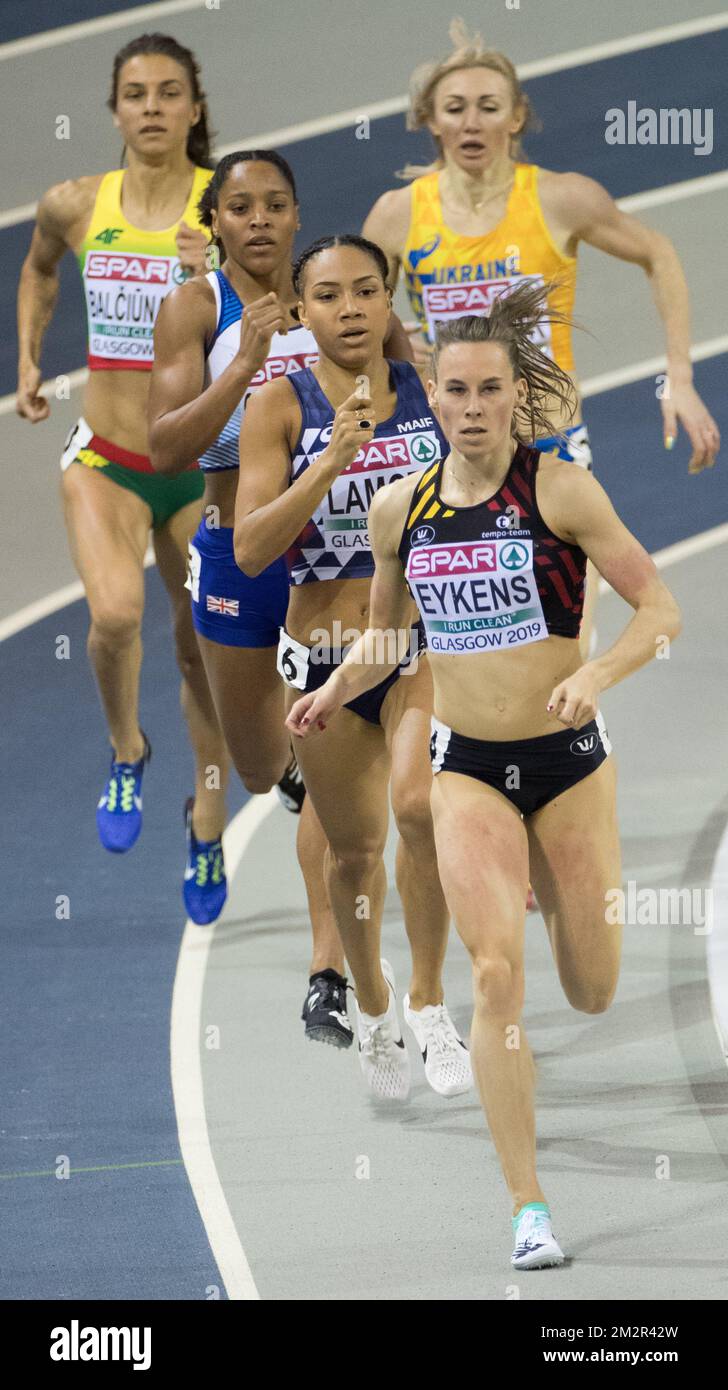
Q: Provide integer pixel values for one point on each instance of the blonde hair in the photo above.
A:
(512, 322)
(469, 51)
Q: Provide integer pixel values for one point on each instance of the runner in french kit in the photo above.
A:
(136, 234)
(492, 544)
(315, 447)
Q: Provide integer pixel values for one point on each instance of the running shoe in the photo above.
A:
(290, 789)
(205, 885)
(446, 1058)
(119, 812)
(535, 1244)
(324, 1010)
(382, 1053)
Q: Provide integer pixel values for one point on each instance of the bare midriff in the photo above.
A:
(503, 695)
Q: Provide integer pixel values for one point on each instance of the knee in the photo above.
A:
(189, 661)
(356, 862)
(590, 999)
(411, 807)
(115, 625)
(498, 986)
(257, 781)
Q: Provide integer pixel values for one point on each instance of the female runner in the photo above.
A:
(210, 357)
(492, 544)
(479, 220)
(136, 234)
(312, 453)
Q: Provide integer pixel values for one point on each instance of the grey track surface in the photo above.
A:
(289, 1121)
(241, 42)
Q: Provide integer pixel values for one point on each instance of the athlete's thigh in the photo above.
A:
(171, 549)
(406, 720)
(575, 861)
(346, 774)
(247, 692)
(108, 528)
(482, 858)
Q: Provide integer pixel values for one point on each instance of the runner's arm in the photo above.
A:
(591, 215)
(579, 510)
(184, 419)
(38, 289)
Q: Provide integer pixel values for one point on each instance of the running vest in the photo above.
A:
(449, 275)
(126, 274)
(289, 352)
(335, 542)
(493, 576)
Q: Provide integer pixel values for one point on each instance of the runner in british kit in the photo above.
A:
(136, 234)
(314, 448)
(492, 544)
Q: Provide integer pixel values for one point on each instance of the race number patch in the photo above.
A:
(477, 596)
(454, 301)
(124, 293)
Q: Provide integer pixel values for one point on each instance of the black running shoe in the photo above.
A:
(324, 1010)
(290, 789)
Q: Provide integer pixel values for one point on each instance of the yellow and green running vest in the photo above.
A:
(449, 275)
(127, 273)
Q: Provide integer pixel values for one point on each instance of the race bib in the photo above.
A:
(192, 581)
(343, 515)
(124, 293)
(79, 437)
(477, 596)
(292, 661)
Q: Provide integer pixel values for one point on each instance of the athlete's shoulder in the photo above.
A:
(388, 222)
(390, 504)
(65, 204)
(274, 406)
(191, 305)
(571, 196)
(565, 491)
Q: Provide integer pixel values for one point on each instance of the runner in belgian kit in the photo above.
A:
(492, 544)
(314, 449)
(136, 234)
(479, 221)
(210, 356)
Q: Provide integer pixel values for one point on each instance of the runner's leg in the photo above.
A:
(108, 527)
(208, 744)
(482, 852)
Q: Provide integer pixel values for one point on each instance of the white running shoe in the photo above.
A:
(446, 1058)
(535, 1244)
(382, 1053)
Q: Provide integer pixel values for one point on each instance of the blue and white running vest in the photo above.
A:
(289, 352)
(334, 544)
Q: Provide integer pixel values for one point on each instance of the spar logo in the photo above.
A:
(477, 298)
(283, 366)
(514, 557)
(472, 557)
(424, 449)
(114, 265)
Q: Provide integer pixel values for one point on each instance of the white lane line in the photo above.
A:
(650, 366)
(78, 377)
(187, 1083)
(622, 376)
(88, 28)
(674, 192)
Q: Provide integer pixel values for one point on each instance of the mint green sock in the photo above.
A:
(530, 1206)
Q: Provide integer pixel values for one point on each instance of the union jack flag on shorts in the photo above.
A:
(229, 606)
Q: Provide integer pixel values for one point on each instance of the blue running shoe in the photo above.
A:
(119, 812)
(205, 885)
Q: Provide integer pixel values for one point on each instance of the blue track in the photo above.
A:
(340, 177)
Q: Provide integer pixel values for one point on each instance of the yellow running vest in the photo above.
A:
(127, 273)
(449, 275)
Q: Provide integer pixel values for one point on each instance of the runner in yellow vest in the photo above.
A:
(479, 220)
(136, 234)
